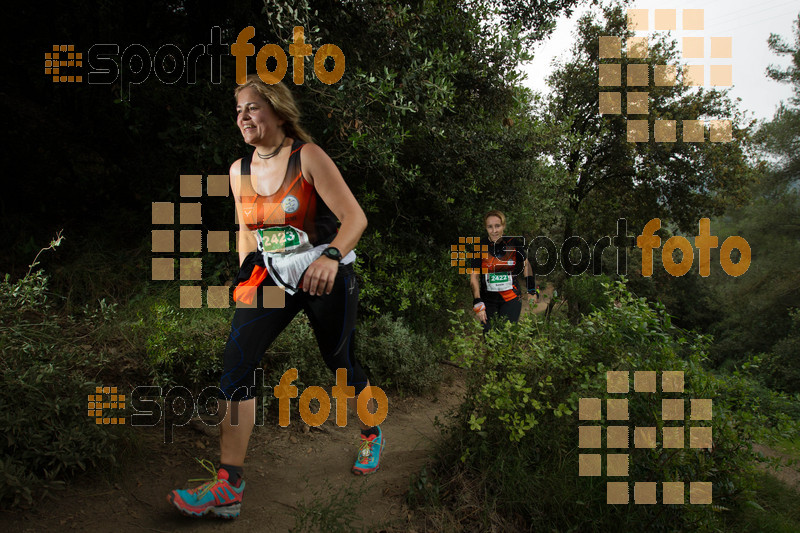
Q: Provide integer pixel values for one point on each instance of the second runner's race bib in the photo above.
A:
(499, 281)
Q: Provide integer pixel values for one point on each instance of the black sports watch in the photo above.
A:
(332, 253)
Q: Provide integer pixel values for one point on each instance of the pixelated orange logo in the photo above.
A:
(673, 436)
(460, 255)
(54, 63)
(97, 404)
(192, 240)
(637, 76)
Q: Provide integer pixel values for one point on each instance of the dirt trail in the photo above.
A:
(790, 470)
(285, 467)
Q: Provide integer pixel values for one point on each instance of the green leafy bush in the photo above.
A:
(755, 397)
(781, 368)
(46, 374)
(395, 356)
(416, 286)
(516, 434)
(182, 346)
(585, 293)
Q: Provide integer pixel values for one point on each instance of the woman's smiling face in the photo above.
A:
(256, 119)
(494, 227)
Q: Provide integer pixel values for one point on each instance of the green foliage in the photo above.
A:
(414, 284)
(332, 512)
(688, 298)
(516, 433)
(604, 177)
(396, 357)
(774, 509)
(612, 178)
(754, 311)
(162, 342)
(46, 373)
(181, 346)
(782, 134)
(752, 400)
(423, 489)
(781, 368)
(585, 293)
(777, 373)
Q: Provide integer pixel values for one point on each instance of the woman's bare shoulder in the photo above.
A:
(311, 149)
(236, 168)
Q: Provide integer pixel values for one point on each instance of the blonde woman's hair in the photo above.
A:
(280, 98)
(495, 213)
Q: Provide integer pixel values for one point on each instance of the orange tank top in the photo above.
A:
(295, 212)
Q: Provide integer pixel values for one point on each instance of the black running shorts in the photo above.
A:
(332, 317)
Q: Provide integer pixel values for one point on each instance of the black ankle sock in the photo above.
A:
(234, 473)
(370, 431)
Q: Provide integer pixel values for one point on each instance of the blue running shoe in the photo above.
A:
(369, 454)
(216, 496)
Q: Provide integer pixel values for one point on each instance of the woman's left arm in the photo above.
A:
(321, 171)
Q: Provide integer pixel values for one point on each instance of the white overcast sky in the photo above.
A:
(748, 23)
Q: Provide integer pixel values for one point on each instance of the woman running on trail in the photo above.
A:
(495, 289)
(288, 195)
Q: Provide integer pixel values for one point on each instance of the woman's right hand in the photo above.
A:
(479, 308)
